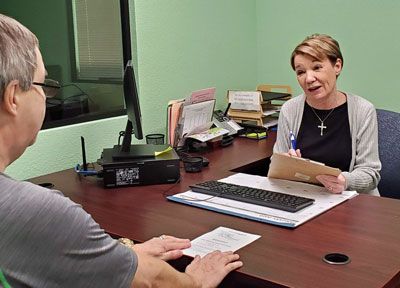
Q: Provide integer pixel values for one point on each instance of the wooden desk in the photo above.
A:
(366, 228)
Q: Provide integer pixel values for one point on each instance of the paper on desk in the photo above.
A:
(196, 115)
(209, 134)
(222, 239)
(324, 200)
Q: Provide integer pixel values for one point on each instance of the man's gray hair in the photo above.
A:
(17, 54)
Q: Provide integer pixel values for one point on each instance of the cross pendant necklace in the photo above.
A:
(322, 126)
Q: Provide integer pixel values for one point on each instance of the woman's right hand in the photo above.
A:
(295, 153)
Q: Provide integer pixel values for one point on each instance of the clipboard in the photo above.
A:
(298, 169)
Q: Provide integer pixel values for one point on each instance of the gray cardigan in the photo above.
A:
(363, 175)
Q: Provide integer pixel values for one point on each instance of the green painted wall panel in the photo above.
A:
(367, 31)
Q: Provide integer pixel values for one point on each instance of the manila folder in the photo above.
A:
(298, 169)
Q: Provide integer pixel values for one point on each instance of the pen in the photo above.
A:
(292, 141)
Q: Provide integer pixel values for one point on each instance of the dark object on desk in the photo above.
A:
(137, 151)
(193, 164)
(157, 139)
(226, 141)
(84, 163)
(249, 127)
(255, 196)
(205, 162)
(389, 152)
(193, 145)
(253, 131)
(336, 259)
(159, 169)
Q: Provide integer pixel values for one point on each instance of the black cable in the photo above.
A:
(122, 134)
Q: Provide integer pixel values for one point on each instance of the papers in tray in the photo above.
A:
(298, 169)
(324, 200)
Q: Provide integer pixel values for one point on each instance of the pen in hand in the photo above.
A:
(293, 151)
(292, 141)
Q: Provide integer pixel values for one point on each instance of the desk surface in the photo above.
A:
(366, 228)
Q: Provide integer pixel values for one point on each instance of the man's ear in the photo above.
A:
(10, 101)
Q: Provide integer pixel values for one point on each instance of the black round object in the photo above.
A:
(336, 259)
(193, 164)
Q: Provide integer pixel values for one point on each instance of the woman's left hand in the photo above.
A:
(333, 184)
(163, 247)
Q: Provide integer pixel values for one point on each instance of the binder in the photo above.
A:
(174, 112)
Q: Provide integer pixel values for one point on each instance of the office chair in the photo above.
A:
(389, 153)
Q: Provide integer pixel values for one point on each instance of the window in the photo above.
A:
(97, 39)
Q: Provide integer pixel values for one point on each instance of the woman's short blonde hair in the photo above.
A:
(319, 47)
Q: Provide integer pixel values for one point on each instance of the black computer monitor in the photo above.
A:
(134, 123)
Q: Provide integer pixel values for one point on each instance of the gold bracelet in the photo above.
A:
(127, 242)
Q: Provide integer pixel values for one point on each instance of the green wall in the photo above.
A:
(367, 31)
(183, 45)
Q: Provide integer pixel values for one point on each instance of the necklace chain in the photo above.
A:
(319, 118)
(322, 127)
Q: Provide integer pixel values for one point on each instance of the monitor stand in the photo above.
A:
(137, 151)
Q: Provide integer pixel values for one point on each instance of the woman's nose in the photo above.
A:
(310, 77)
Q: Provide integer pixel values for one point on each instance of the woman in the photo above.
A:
(331, 126)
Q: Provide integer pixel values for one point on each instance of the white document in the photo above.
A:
(245, 100)
(197, 115)
(324, 200)
(209, 134)
(222, 239)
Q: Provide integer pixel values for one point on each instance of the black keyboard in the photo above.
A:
(256, 196)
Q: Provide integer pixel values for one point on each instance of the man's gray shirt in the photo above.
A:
(46, 240)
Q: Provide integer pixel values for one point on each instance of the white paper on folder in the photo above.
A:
(245, 100)
(324, 200)
(196, 115)
(209, 134)
(222, 239)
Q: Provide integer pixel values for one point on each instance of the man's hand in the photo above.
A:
(333, 184)
(163, 247)
(208, 272)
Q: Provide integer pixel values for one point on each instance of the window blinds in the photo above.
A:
(98, 43)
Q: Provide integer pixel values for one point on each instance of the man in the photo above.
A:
(46, 239)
